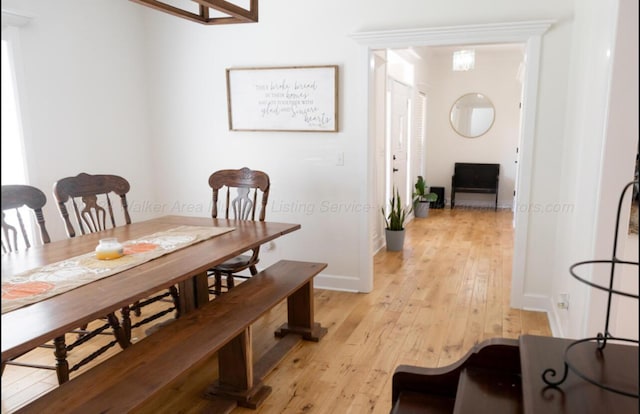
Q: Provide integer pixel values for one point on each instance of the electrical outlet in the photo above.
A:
(563, 301)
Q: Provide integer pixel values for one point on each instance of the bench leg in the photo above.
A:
(235, 369)
(300, 316)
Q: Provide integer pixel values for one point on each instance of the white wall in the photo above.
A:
(618, 160)
(599, 153)
(379, 132)
(495, 76)
(189, 122)
(606, 131)
(98, 73)
(81, 69)
(189, 113)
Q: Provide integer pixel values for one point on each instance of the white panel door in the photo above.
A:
(399, 128)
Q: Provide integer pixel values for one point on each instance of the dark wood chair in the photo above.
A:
(15, 197)
(244, 185)
(88, 195)
(85, 188)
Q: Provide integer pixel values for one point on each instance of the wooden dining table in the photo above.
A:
(27, 327)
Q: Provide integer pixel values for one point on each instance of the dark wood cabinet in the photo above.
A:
(505, 376)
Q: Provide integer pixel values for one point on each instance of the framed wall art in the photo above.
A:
(295, 98)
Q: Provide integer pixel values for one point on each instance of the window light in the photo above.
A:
(464, 60)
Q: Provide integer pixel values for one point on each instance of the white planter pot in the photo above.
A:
(421, 209)
(395, 240)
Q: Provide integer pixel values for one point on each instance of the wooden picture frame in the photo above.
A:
(292, 98)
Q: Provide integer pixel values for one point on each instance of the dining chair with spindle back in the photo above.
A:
(14, 197)
(245, 185)
(86, 189)
(88, 195)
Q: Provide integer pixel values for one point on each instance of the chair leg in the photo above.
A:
(126, 323)
(176, 300)
(253, 270)
(230, 281)
(118, 332)
(218, 283)
(62, 366)
(83, 330)
(136, 309)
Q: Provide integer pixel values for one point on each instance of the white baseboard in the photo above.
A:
(543, 303)
(481, 204)
(377, 244)
(336, 282)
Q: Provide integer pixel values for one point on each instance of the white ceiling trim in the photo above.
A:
(454, 35)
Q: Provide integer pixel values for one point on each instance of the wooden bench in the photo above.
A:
(140, 372)
(459, 387)
(475, 178)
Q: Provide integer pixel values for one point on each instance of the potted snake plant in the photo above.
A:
(422, 199)
(394, 223)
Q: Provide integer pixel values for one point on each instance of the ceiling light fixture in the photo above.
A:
(464, 60)
(210, 12)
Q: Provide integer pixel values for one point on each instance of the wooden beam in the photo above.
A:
(225, 20)
(158, 5)
(236, 13)
(233, 10)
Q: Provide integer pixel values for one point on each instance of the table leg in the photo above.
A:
(201, 287)
(193, 293)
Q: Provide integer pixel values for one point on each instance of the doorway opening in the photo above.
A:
(414, 149)
(527, 33)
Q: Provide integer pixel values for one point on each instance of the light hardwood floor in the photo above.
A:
(448, 290)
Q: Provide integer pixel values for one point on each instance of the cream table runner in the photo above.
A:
(42, 283)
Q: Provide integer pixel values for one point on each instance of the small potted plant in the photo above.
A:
(422, 199)
(394, 223)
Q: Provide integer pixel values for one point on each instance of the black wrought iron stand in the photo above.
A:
(601, 339)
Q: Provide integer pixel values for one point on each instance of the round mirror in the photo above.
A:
(472, 115)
